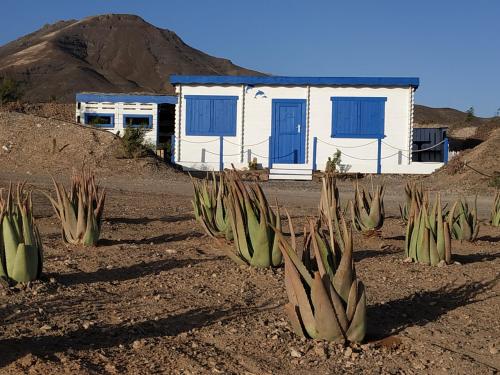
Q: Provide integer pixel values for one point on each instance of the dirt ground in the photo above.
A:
(159, 297)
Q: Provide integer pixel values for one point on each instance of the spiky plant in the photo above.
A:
(411, 190)
(21, 253)
(210, 206)
(330, 213)
(367, 209)
(428, 238)
(80, 210)
(252, 219)
(326, 299)
(495, 211)
(462, 220)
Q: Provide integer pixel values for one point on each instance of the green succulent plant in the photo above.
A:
(252, 220)
(210, 205)
(330, 214)
(367, 209)
(463, 222)
(411, 190)
(428, 238)
(21, 253)
(80, 211)
(326, 299)
(495, 211)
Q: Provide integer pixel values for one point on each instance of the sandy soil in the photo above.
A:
(159, 297)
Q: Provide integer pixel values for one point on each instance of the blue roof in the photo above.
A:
(295, 81)
(125, 98)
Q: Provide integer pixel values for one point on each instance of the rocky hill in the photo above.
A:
(113, 53)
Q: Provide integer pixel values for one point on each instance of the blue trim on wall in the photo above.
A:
(106, 126)
(379, 156)
(297, 81)
(150, 119)
(207, 97)
(125, 98)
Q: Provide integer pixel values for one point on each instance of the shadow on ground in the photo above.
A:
(146, 220)
(421, 308)
(129, 272)
(155, 240)
(107, 336)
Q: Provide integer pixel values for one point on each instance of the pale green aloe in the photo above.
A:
(326, 299)
(210, 205)
(330, 214)
(463, 221)
(367, 209)
(412, 190)
(495, 211)
(21, 253)
(428, 238)
(252, 220)
(80, 210)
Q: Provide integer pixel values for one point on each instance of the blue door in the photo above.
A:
(288, 137)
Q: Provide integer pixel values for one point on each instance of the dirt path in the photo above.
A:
(158, 296)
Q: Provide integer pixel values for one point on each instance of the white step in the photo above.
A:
(289, 171)
(292, 166)
(297, 177)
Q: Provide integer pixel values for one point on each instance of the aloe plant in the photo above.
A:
(330, 214)
(428, 238)
(463, 222)
(367, 209)
(252, 220)
(326, 299)
(21, 253)
(210, 206)
(80, 210)
(411, 190)
(495, 211)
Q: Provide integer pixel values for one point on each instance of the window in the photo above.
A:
(358, 117)
(100, 120)
(138, 121)
(211, 115)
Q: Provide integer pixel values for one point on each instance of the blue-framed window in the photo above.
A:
(358, 117)
(138, 121)
(100, 120)
(211, 115)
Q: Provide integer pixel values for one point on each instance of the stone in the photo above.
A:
(347, 352)
(295, 353)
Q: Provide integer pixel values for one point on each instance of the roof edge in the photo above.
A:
(296, 81)
(125, 98)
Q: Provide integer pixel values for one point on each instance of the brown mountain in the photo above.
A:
(110, 53)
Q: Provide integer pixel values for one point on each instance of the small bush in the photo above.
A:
(333, 162)
(9, 90)
(495, 180)
(133, 143)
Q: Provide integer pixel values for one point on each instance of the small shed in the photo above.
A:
(115, 112)
(292, 125)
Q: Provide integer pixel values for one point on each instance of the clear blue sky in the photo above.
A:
(452, 45)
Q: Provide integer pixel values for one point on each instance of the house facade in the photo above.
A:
(114, 112)
(292, 125)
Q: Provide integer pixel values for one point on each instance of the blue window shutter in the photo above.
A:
(358, 117)
(198, 114)
(211, 115)
(224, 117)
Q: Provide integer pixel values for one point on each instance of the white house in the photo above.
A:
(114, 112)
(293, 124)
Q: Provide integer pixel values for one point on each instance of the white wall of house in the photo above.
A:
(254, 121)
(119, 110)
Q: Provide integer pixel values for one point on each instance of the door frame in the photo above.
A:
(273, 142)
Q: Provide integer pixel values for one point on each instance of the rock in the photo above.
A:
(493, 349)
(137, 344)
(347, 352)
(295, 353)
(45, 328)
(320, 351)
(442, 263)
(407, 260)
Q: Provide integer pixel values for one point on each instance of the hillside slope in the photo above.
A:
(110, 53)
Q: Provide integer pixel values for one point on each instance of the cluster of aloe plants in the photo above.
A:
(495, 211)
(210, 205)
(428, 237)
(367, 209)
(226, 207)
(463, 221)
(21, 253)
(80, 210)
